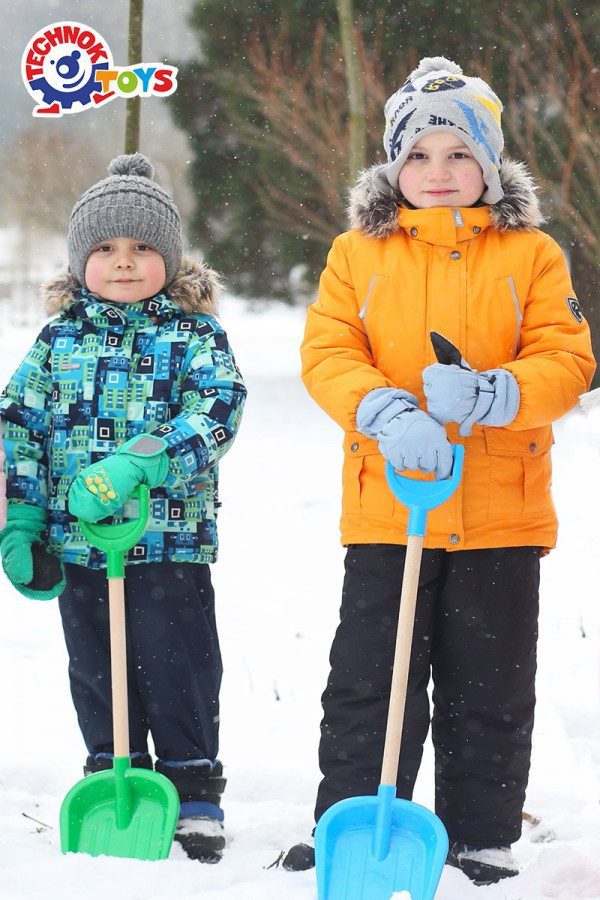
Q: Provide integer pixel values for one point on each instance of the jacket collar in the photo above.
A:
(195, 289)
(444, 226)
(376, 207)
(105, 314)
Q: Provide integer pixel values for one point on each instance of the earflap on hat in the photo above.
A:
(437, 96)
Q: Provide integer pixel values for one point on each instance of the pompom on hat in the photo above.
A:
(438, 97)
(130, 204)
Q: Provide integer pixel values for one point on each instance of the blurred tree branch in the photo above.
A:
(43, 172)
(552, 116)
(305, 118)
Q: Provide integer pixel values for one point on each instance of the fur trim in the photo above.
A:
(195, 289)
(520, 206)
(57, 292)
(374, 203)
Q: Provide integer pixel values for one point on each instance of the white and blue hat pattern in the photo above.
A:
(438, 97)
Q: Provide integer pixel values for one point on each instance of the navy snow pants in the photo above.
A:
(174, 662)
(475, 635)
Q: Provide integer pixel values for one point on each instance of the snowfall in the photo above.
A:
(278, 582)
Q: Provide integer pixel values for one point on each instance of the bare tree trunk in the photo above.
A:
(134, 55)
(356, 89)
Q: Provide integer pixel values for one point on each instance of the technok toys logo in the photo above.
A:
(68, 67)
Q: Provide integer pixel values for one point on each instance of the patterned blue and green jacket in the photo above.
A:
(100, 373)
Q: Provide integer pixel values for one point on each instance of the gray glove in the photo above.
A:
(407, 436)
(457, 393)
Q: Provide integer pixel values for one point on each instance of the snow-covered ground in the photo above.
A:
(278, 587)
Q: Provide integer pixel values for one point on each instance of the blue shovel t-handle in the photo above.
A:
(421, 496)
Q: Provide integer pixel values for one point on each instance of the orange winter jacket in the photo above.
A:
(498, 288)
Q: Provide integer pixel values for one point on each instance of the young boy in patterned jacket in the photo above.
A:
(445, 238)
(133, 382)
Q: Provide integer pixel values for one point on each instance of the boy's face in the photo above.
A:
(124, 270)
(441, 171)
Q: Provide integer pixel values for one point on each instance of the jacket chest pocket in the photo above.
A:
(371, 310)
(495, 326)
(520, 472)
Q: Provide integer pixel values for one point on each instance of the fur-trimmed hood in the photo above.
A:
(374, 203)
(195, 289)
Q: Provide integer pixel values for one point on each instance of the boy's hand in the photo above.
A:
(102, 488)
(30, 568)
(413, 440)
(407, 436)
(458, 394)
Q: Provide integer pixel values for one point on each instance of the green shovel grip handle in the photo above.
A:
(116, 539)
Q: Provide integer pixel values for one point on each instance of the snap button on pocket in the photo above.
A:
(533, 447)
(455, 254)
(476, 229)
(354, 447)
(414, 232)
(455, 539)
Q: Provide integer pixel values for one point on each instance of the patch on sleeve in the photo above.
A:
(573, 304)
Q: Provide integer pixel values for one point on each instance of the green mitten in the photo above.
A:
(102, 488)
(30, 568)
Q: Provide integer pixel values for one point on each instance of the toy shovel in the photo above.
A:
(368, 848)
(123, 812)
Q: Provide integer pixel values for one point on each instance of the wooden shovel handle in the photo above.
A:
(115, 540)
(406, 621)
(118, 665)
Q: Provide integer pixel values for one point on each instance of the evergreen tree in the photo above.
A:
(229, 216)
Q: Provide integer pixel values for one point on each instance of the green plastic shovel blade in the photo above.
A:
(368, 848)
(122, 811)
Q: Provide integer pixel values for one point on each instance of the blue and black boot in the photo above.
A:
(200, 827)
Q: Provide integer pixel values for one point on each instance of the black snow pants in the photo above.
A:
(174, 662)
(476, 634)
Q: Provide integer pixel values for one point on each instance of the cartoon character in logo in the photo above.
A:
(60, 65)
(70, 78)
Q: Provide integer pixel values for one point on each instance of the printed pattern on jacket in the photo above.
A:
(102, 373)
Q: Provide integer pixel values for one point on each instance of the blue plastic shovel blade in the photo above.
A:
(364, 851)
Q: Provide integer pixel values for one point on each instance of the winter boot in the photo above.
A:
(99, 762)
(200, 827)
(299, 858)
(202, 837)
(483, 865)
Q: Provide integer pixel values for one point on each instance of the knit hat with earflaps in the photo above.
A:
(438, 97)
(129, 204)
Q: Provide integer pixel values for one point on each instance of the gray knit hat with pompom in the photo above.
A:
(126, 204)
(438, 97)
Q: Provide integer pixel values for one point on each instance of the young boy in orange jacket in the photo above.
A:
(444, 239)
